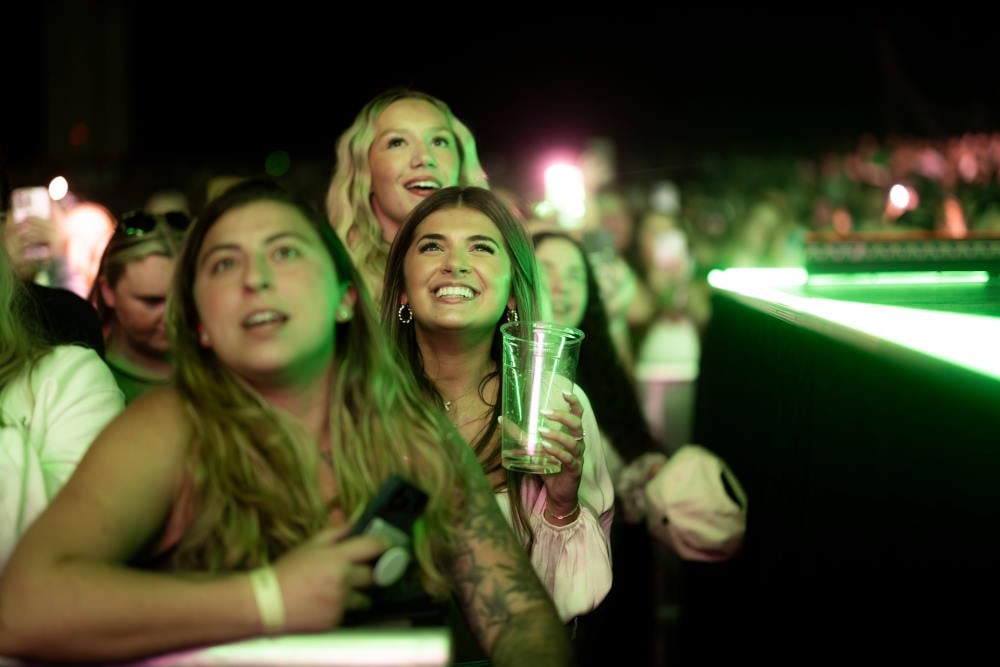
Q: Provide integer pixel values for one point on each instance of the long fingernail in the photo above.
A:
(546, 412)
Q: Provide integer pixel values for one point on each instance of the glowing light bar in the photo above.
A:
(355, 647)
(966, 340)
(901, 278)
(737, 278)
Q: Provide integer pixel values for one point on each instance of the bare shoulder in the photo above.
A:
(156, 406)
(155, 419)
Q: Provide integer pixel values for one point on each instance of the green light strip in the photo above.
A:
(969, 341)
(901, 278)
(758, 277)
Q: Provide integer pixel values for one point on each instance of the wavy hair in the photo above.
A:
(21, 341)
(254, 472)
(524, 284)
(348, 199)
(600, 372)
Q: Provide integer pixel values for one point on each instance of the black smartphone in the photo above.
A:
(390, 516)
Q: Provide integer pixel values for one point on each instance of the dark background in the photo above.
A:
(167, 89)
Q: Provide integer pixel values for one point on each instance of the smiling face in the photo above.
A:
(566, 278)
(414, 153)
(457, 272)
(267, 294)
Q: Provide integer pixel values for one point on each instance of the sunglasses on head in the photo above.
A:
(138, 223)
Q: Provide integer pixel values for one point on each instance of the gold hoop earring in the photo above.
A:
(512, 315)
(404, 312)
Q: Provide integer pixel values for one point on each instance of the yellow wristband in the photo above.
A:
(270, 604)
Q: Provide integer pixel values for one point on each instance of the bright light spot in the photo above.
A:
(899, 196)
(544, 209)
(665, 197)
(58, 188)
(740, 279)
(564, 190)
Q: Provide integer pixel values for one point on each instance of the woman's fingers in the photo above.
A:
(571, 419)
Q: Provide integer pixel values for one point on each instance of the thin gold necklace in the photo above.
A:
(450, 402)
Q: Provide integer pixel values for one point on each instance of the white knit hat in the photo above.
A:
(696, 505)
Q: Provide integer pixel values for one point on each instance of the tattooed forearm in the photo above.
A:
(533, 639)
(504, 602)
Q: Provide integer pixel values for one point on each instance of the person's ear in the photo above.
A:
(345, 311)
(107, 294)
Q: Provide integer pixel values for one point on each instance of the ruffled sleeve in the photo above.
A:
(574, 561)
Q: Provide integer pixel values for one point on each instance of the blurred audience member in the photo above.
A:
(54, 400)
(167, 200)
(130, 296)
(61, 316)
(87, 227)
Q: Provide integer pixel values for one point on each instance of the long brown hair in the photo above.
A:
(255, 479)
(21, 343)
(524, 284)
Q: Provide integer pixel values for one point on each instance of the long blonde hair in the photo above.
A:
(348, 199)
(21, 343)
(254, 477)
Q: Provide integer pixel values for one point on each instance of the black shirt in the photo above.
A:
(64, 317)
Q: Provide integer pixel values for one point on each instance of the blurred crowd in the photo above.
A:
(628, 264)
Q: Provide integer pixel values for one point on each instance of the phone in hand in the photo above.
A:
(390, 516)
(32, 202)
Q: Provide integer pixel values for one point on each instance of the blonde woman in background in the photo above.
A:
(402, 147)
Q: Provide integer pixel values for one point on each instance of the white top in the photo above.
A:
(574, 561)
(46, 424)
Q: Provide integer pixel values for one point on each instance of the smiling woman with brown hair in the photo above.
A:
(460, 267)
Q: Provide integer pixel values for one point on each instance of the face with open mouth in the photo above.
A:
(413, 155)
(457, 272)
(267, 294)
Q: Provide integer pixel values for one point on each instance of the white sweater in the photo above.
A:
(48, 419)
